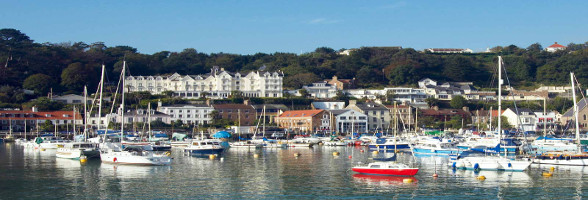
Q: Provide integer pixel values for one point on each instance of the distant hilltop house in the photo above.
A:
(347, 52)
(555, 47)
(448, 50)
(216, 84)
(342, 84)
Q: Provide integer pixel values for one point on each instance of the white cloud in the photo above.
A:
(323, 21)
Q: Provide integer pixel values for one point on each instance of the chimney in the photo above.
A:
(435, 107)
(35, 109)
(352, 102)
(465, 108)
(246, 102)
(208, 102)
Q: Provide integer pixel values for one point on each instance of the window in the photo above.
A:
(584, 117)
(188, 116)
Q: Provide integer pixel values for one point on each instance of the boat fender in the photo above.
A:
(114, 160)
(510, 165)
(476, 166)
(454, 165)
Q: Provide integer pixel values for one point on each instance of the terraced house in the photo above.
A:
(217, 84)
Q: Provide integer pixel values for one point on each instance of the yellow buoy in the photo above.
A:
(212, 156)
(375, 152)
(83, 159)
(335, 153)
(552, 169)
(256, 155)
(407, 180)
(481, 178)
(42, 149)
(547, 174)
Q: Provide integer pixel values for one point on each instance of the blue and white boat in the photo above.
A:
(488, 144)
(549, 144)
(435, 147)
(383, 144)
(204, 147)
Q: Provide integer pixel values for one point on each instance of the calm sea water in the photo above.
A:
(275, 174)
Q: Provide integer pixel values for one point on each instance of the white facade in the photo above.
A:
(217, 84)
(321, 90)
(525, 119)
(189, 114)
(328, 105)
(407, 94)
(349, 121)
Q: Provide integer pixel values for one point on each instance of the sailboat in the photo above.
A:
(77, 149)
(489, 162)
(568, 157)
(132, 155)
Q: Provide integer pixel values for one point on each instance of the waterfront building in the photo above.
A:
(271, 111)
(568, 116)
(304, 120)
(217, 84)
(521, 118)
(242, 114)
(348, 121)
(378, 115)
(142, 116)
(404, 113)
(196, 114)
(17, 120)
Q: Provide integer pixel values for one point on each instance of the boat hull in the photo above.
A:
(386, 172)
(197, 152)
(562, 160)
(491, 164)
(123, 158)
(381, 147)
(76, 154)
(426, 151)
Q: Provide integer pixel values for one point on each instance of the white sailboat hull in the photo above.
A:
(128, 158)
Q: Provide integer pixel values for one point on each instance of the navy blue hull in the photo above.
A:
(197, 152)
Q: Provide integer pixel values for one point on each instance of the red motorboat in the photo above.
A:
(387, 169)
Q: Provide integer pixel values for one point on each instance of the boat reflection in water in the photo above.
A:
(375, 180)
(493, 178)
(132, 171)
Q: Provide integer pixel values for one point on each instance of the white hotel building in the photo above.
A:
(217, 85)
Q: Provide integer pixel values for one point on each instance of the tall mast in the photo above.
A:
(575, 109)
(85, 112)
(74, 120)
(499, 98)
(149, 119)
(263, 114)
(122, 103)
(100, 101)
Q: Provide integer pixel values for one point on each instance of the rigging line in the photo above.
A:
(512, 95)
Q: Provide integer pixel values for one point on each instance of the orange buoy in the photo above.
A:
(114, 160)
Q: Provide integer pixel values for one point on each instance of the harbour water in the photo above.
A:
(274, 174)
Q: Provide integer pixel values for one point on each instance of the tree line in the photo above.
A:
(67, 67)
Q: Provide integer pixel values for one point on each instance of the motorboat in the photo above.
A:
(47, 142)
(435, 147)
(204, 147)
(386, 168)
(75, 150)
(389, 144)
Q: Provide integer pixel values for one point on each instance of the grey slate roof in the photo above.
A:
(581, 106)
(371, 106)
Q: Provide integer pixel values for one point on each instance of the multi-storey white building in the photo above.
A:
(197, 114)
(217, 84)
(321, 90)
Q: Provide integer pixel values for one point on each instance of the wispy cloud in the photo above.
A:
(323, 21)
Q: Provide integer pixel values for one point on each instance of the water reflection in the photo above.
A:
(373, 180)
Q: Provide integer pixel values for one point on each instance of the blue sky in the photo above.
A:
(298, 26)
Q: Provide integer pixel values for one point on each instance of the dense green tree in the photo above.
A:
(432, 101)
(458, 102)
(40, 83)
(75, 76)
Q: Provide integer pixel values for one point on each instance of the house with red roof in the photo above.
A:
(555, 47)
(21, 120)
(304, 120)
